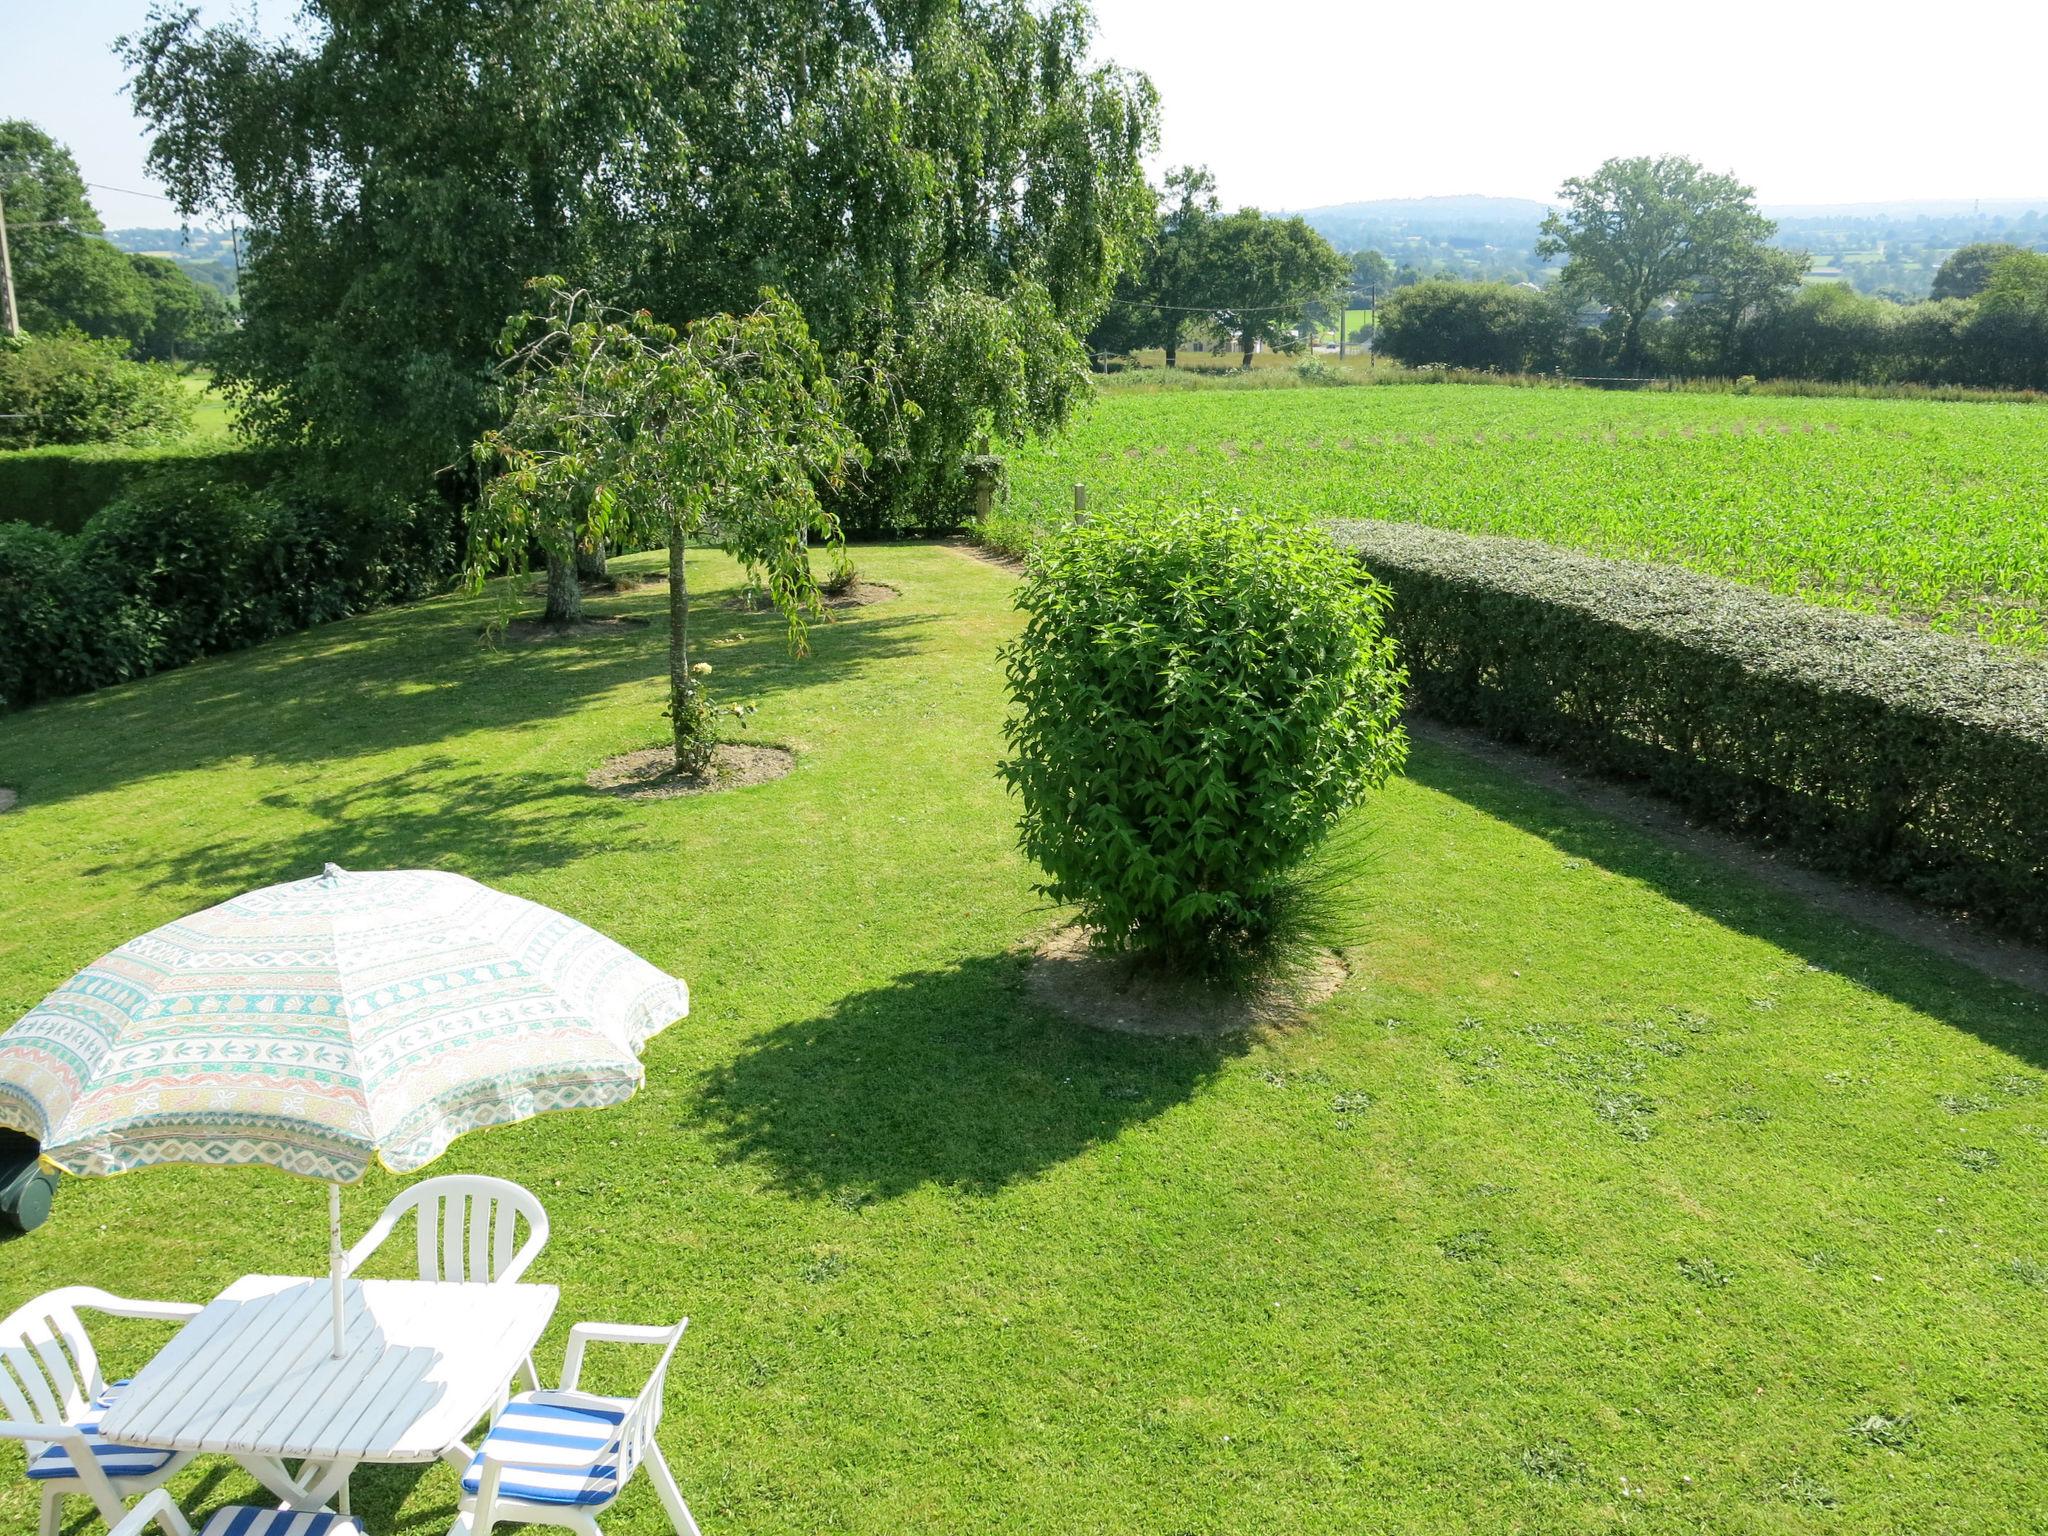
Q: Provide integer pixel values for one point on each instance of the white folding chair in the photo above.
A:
(562, 1457)
(235, 1520)
(465, 1231)
(54, 1397)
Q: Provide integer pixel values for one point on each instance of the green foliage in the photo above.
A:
(620, 430)
(1640, 231)
(61, 488)
(184, 564)
(406, 168)
(1473, 325)
(1910, 758)
(61, 630)
(1967, 270)
(66, 389)
(67, 277)
(1267, 275)
(1200, 695)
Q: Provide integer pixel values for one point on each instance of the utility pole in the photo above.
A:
(1344, 320)
(8, 315)
(1373, 298)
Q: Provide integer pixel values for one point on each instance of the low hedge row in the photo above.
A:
(183, 565)
(62, 488)
(1910, 758)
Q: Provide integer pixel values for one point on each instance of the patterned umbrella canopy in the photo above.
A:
(317, 1025)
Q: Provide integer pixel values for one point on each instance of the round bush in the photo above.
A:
(1200, 695)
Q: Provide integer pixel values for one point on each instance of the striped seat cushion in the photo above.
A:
(556, 1448)
(242, 1520)
(115, 1460)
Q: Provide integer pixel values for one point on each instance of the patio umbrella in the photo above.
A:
(323, 1024)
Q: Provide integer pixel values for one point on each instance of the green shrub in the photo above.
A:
(1200, 695)
(60, 632)
(70, 389)
(1889, 752)
(62, 488)
(183, 565)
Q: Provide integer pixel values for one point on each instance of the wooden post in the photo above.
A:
(1080, 502)
(8, 318)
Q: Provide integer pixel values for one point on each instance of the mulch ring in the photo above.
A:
(650, 773)
(859, 595)
(532, 631)
(1108, 992)
(8, 800)
(613, 585)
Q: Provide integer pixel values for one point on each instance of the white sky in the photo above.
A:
(1295, 103)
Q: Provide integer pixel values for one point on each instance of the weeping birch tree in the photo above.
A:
(618, 427)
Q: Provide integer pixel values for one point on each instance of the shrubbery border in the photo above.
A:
(1892, 753)
(60, 488)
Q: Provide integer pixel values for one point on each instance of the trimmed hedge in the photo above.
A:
(62, 488)
(1898, 755)
(183, 565)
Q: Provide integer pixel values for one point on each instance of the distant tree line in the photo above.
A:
(1669, 270)
(68, 277)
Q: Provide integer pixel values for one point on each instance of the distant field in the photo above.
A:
(210, 419)
(1927, 510)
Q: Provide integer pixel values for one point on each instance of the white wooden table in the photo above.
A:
(253, 1377)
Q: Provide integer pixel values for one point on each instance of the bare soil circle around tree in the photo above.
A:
(529, 630)
(616, 584)
(650, 773)
(860, 594)
(1108, 992)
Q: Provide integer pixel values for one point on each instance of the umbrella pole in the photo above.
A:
(335, 1261)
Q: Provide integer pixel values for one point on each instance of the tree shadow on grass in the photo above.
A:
(948, 1077)
(2002, 1015)
(487, 826)
(408, 677)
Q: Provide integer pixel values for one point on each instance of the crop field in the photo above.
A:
(1929, 510)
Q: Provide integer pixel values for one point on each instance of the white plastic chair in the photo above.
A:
(563, 1457)
(466, 1231)
(235, 1520)
(54, 1397)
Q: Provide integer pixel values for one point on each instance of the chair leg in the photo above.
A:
(53, 1504)
(532, 1376)
(671, 1496)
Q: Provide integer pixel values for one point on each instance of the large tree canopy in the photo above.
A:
(1640, 231)
(405, 169)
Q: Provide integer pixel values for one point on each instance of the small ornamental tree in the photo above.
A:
(619, 428)
(1200, 696)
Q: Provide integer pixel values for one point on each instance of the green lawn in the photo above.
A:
(211, 421)
(1615, 1193)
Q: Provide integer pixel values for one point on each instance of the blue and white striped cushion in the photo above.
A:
(555, 1450)
(243, 1520)
(115, 1460)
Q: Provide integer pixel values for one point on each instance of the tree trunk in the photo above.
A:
(590, 563)
(1249, 347)
(686, 725)
(565, 597)
(1172, 340)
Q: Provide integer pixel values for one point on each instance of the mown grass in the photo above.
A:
(1923, 509)
(1614, 1192)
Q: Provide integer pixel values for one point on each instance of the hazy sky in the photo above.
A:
(1299, 102)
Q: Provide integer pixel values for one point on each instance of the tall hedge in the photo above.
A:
(1898, 755)
(63, 487)
(183, 565)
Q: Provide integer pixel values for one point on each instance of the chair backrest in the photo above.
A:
(48, 1370)
(467, 1229)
